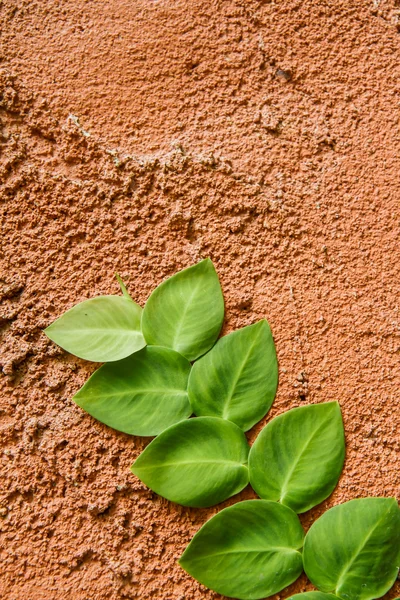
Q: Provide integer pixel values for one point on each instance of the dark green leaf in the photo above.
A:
(353, 550)
(199, 462)
(247, 551)
(102, 329)
(237, 379)
(142, 394)
(186, 311)
(298, 457)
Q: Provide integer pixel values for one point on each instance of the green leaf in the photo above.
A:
(313, 596)
(102, 329)
(186, 311)
(199, 462)
(353, 550)
(247, 551)
(298, 457)
(142, 394)
(237, 379)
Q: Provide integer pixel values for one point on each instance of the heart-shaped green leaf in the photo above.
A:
(313, 596)
(247, 551)
(186, 311)
(237, 379)
(101, 329)
(298, 457)
(353, 550)
(142, 394)
(199, 462)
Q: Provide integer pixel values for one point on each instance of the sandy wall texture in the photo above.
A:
(139, 137)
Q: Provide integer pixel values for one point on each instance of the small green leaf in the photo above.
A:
(186, 311)
(199, 462)
(313, 596)
(298, 457)
(237, 379)
(101, 329)
(142, 394)
(124, 291)
(247, 551)
(353, 550)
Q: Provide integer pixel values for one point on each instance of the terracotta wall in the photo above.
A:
(138, 137)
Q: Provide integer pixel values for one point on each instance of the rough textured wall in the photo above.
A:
(139, 137)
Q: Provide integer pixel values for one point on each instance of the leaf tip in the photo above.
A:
(262, 323)
(208, 263)
(134, 469)
(182, 560)
(48, 331)
(336, 407)
(76, 398)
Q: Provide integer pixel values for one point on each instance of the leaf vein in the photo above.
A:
(275, 549)
(298, 459)
(235, 381)
(347, 568)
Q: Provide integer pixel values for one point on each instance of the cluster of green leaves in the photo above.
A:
(164, 364)
(256, 548)
(148, 382)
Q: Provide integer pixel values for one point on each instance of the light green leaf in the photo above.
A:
(247, 551)
(353, 550)
(142, 394)
(102, 329)
(237, 379)
(186, 311)
(298, 457)
(313, 596)
(199, 462)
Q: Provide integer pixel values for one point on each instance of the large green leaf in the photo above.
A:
(102, 329)
(298, 457)
(199, 462)
(247, 551)
(186, 311)
(237, 379)
(142, 394)
(313, 596)
(353, 550)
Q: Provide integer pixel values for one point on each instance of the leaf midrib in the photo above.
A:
(228, 401)
(298, 459)
(357, 552)
(107, 329)
(140, 391)
(178, 329)
(269, 550)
